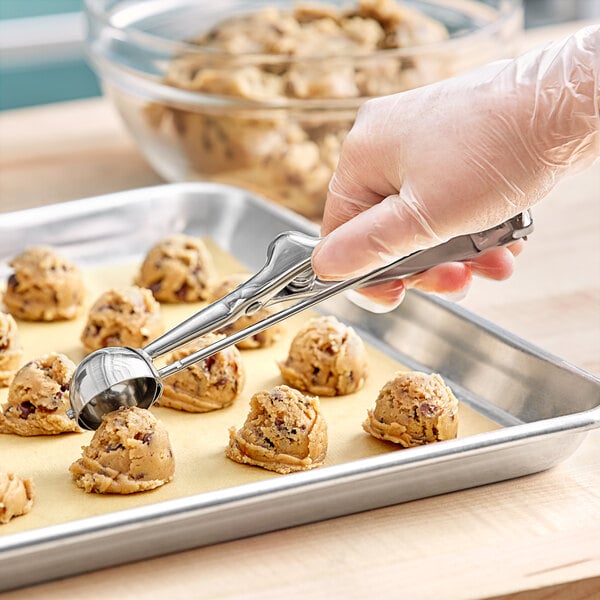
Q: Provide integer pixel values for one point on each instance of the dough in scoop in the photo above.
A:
(283, 432)
(11, 351)
(16, 496)
(178, 269)
(125, 317)
(326, 358)
(130, 452)
(262, 339)
(44, 286)
(413, 409)
(38, 398)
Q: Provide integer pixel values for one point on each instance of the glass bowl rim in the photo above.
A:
(95, 9)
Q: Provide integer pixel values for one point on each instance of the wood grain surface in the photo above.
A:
(537, 537)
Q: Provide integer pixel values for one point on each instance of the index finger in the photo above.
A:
(345, 200)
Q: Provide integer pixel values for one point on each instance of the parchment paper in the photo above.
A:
(198, 440)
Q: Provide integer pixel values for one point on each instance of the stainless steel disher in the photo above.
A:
(122, 376)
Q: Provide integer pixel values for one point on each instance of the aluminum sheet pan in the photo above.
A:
(545, 405)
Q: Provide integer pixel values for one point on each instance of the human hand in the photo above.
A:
(457, 157)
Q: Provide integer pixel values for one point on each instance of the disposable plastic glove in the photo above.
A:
(457, 157)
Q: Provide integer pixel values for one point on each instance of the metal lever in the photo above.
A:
(287, 275)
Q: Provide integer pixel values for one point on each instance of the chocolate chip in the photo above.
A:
(91, 331)
(12, 282)
(145, 438)
(26, 408)
(428, 410)
(277, 396)
(112, 340)
(181, 293)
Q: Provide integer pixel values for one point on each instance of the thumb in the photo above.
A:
(394, 227)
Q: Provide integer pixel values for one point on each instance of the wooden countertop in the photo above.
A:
(540, 532)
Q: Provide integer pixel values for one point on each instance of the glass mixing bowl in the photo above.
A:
(264, 101)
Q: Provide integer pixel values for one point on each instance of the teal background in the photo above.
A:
(15, 9)
(33, 84)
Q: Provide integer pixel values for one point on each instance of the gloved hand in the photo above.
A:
(457, 157)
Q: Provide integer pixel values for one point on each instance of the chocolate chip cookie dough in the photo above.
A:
(210, 384)
(44, 286)
(314, 52)
(178, 269)
(11, 351)
(284, 432)
(130, 452)
(326, 358)
(38, 398)
(413, 409)
(16, 496)
(122, 317)
(262, 339)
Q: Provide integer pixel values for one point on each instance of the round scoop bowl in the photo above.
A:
(110, 378)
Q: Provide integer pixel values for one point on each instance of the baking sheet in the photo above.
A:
(545, 406)
(198, 440)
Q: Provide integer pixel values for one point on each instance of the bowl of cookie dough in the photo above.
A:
(261, 93)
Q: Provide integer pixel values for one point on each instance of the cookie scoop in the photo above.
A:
(261, 339)
(130, 452)
(16, 496)
(284, 432)
(326, 358)
(38, 398)
(11, 351)
(210, 384)
(413, 409)
(124, 376)
(178, 269)
(44, 286)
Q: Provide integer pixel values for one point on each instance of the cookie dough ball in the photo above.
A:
(16, 496)
(44, 286)
(326, 358)
(209, 384)
(124, 317)
(178, 269)
(283, 432)
(130, 452)
(11, 351)
(262, 339)
(38, 398)
(413, 409)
